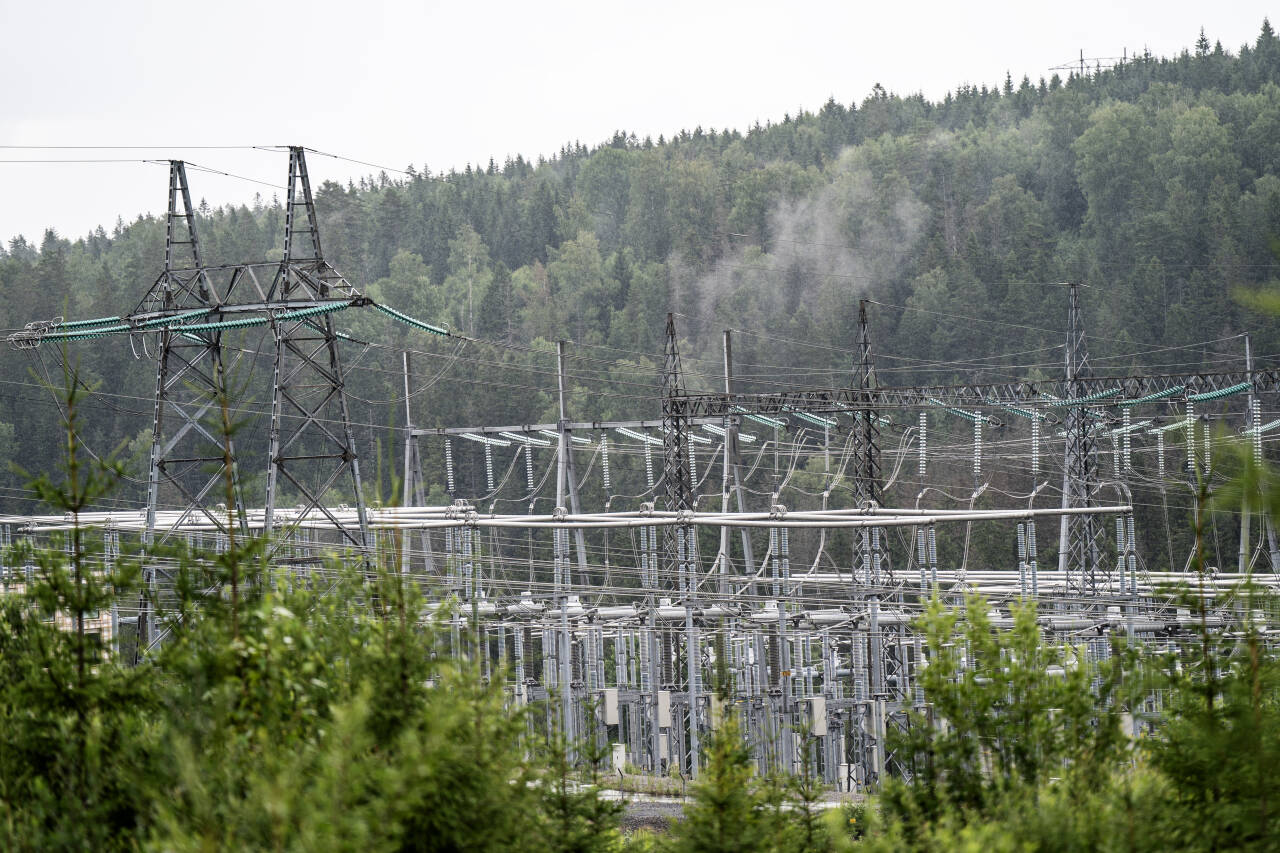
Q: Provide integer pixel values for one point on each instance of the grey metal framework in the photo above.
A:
(978, 395)
(311, 445)
(192, 448)
(308, 392)
(1079, 554)
(193, 462)
(191, 452)
(866, 446)
(675, 448)
(776, 644)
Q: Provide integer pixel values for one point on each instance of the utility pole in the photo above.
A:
(680, 539)
(866, 446)
(726, 479)
(675, 440)
(866, 461)
(410, 451)
(1243, 557)
(867, 493)
(1255, 423)
(564, 482)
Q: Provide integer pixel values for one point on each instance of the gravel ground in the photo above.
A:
(656, 813)
(651, 813)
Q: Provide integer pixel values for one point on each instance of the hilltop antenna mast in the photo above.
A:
(1081, 67)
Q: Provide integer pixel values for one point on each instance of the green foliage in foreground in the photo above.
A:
(1204, 781)
(1033, 755)
(735, 811)
(276, 715)
(1006, 711)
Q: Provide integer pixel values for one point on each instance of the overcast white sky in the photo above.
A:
(449, 83)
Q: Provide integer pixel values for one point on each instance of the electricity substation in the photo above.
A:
(611, 571)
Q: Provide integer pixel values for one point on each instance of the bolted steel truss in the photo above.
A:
(866, 449)
(192, 452)
(312, 452)
(678, 541)
(311, 445)
(1079, 555)
(978, 394)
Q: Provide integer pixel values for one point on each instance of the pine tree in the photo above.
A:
(576, 818)
(725, 813)
(75, 722)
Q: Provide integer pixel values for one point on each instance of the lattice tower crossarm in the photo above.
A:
(190, 305)
(1051, 394)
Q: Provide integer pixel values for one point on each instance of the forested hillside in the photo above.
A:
(1156, 183)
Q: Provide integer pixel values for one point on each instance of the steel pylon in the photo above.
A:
(192, 451)
(866, 446)
(1079, 549)
(677, 539)
(312, 449)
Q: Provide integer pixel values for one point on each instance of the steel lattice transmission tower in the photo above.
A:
(866, 447)
(311, 445)
(191, 455)
(677, 539)
(312, 450)
(1078, 554)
